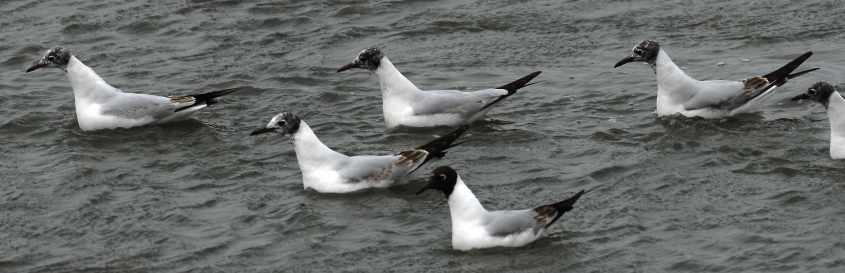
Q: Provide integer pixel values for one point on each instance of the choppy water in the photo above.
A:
(756, 193)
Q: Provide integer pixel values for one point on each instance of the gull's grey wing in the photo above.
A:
(375, 168)
(739, 96)
(714, 94)
(453, 101)
(507, 222)
(139, 106)
(757, 88)
(754, 88)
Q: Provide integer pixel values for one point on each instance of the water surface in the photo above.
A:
(755, 193)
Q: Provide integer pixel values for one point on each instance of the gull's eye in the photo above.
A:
(51, 58)
(442, 177)
(812, 91)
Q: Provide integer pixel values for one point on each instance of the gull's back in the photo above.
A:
(364, 167)
(504, 223)
(138, 106)
(713, 94)
(453, 101)
(505, 228)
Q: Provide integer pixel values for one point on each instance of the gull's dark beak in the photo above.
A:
(40, 63)
(424, 189)
(804, 96)
(262, 131)
(349, 66)
(430, 185)
(624, 61)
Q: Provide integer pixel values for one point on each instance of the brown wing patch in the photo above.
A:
(410, 158)
(752, 84)
(407, 159)
(181, 99)
(545, 214)
(380, 175)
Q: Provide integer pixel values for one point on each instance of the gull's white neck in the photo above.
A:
(463, 206)
(310, 151)
(674, 87)
(86, 84)
(392, 82)
(836, 115)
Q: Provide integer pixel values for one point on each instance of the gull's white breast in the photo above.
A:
(324, 178)
(667, 105)
(399, 112)
(468, 235)
(396, 111)
(837, 146)
(90, 117)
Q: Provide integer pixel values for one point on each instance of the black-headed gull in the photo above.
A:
(102, 106)
(474, 227)
(827, 95)
(327, 171)
(406, 105)
(678, 93)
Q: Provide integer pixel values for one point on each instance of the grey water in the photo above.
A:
(754, 193)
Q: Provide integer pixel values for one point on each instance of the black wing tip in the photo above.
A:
(519, 83)
(439, 145)
(801, 59)
(208, 98)
(779, 76)
(534, 74)
(798, 74)
(214, 94)
(566, 205)
(512, 87)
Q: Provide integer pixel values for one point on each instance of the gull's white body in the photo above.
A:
(101, 106)
(836, 115)
(404, 104)
(327, 171)
(678, 93)
(471, 223)
(310, 154)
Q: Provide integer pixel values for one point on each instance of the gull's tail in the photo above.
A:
(559, 208)
(779, 77)
(437, 147)
(207, 98)
(758, 88)
(513, 86)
